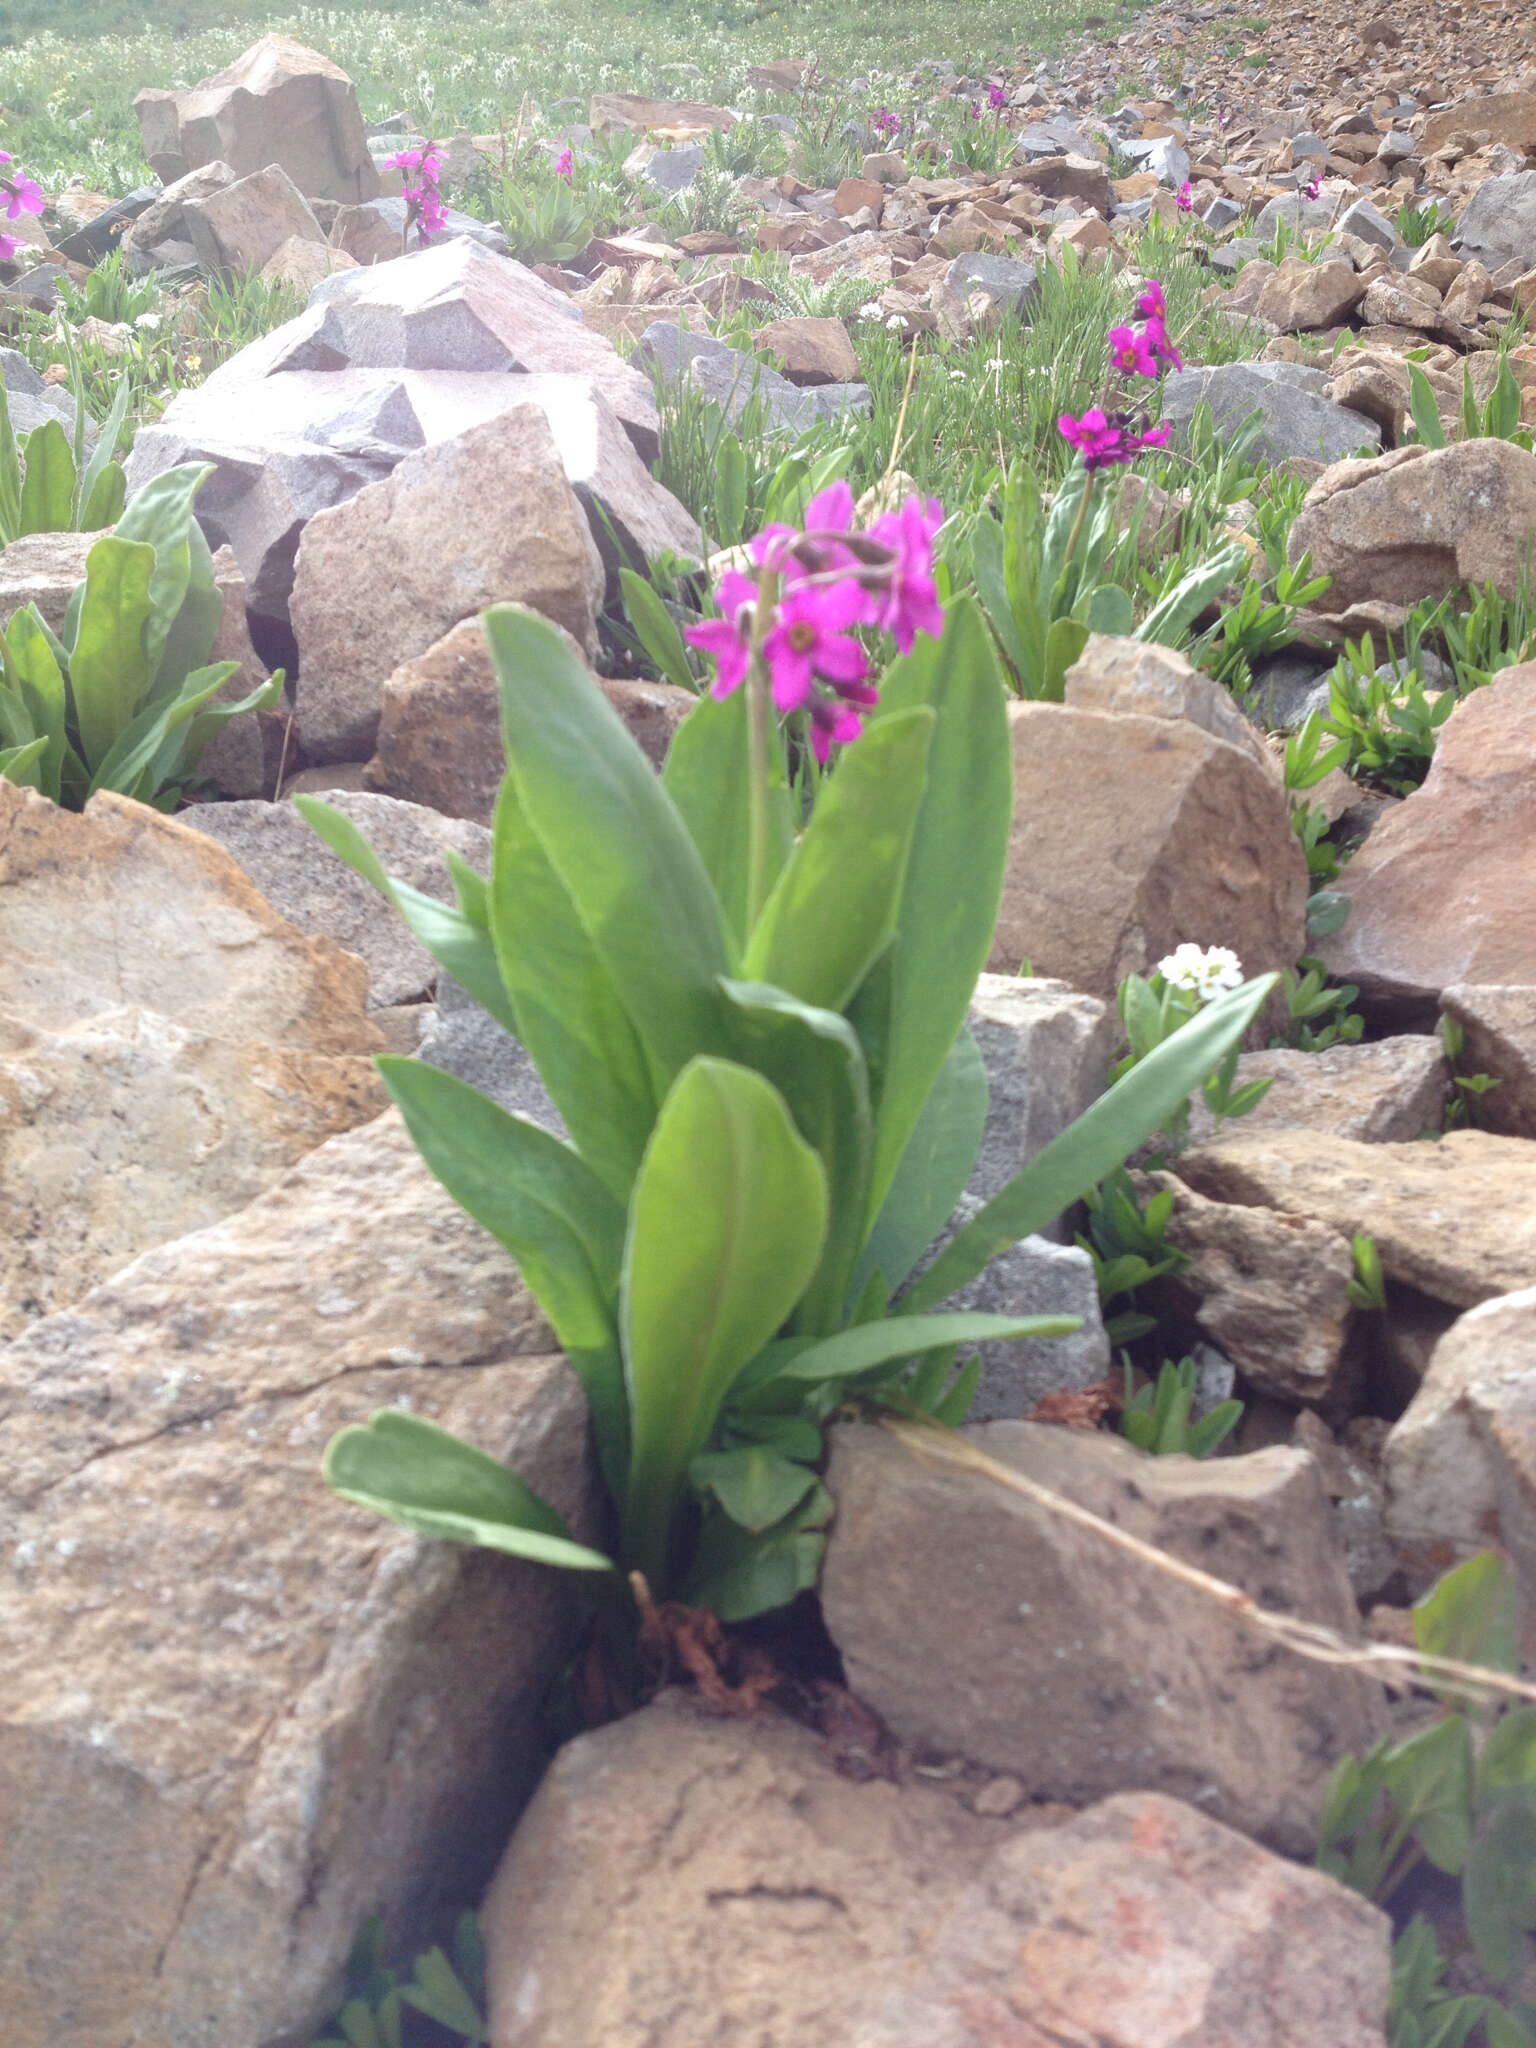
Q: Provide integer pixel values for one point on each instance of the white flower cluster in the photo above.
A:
(1202, 971)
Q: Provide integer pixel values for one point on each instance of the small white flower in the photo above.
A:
(957, 376)
(150, 322)
(1204, 972)
(897, 323)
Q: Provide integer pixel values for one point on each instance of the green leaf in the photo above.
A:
(726, 1225)
(41, 685)
(570, 1010)
(1169, 621)
(1064, 643)
(1498, 1886)
(1469, 1615)
(193, 632)
(1100, 1139)
(1429, 1780)
(939, 1160)
(952, 1410)
(737, 1574)
(706, 776)
(1426, 414)
(954, 875)
(754, 1484)
(833, 909)
(102, 487)
(656, 630)
(427, 1480)
(48, 487)
(730, 490)
(20, 764)
(108, 669)
(148, 755)
(541, 1202)
(10, 474)
(1109, 610)
(814, 1059)
(987, 565)
(160, 516)
(613, 837)
(438, 1993)
(459, 944)
(1507, 1762)
(1506, 2029)
(870, 1347)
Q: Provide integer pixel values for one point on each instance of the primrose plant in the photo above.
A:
(744, 985)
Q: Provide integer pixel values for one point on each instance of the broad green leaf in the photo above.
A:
(1507, 1762)
(540, 1201)
(988, 556)
(108, 671)
(833, 910)
(217, 711)
(955, 1406)
(730, 490)
(656, 630)
(756, 1485)
(954, 875)
(1498, 1886)
(706, 776)
(1429, 1780)
(1426, 414)
(1100, 1140)
(737, 1574)
(160, 516)
(1064, 641)
(570, 1011)
(48, 487)
(104, 506)
(814, 1059)
(438, 1993)
(1506, 2028)
(20, 764)
(1470, 1616)
(191, 635)
(1109, 610)
(869, 1347)
(427, 1480)
(102, 486)
(149, 756)
(40, 683)
(726, 1225)
(460, 945)
(614, 838)
(935, 1168)
(1169, 621)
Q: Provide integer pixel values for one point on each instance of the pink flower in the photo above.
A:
(8, 247)
(834, 724)
(1150, 305)
(565, 163)
(910, 604)
(996, 97)
(885, 122)
(1131, 352)
(811, 639)
(1155, 437)
(1183, 201)
(19, 195)
(975, 110)
(728, 639)
(1311, 189)
(1163, 350)
(1106, 442)
(831, 510)
(404, 160)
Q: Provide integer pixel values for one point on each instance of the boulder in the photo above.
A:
(1455, 1220)
(1498, 224)
(1461, 1463)
(1297, 422)
(319, 894)
(788, 1901)
(1500, 1028)
(1030, 1645)
(1388, 1091)
(300, 265)
(1300, 296)
(1046, 1049)
(240, 227)
(1114, 673)
(1268, 1289)
(164, 220)
(379, 579)
(124, 1130)
(236, 1717)
(810, 351)
(609, 112)
(1507, 117)
(120, 908)
(738, 383)
(280, 103)
(1444, 890)
(1080, 178)
(1419, 521)
(1132, 834)
(380, 230)
(439, 736)
(1001, 286)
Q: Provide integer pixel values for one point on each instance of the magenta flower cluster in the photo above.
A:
(18, 195)
(1183, 199)
(886, 124)
(1107, 439)
(565, 163)
(831, 579)
(422, 197)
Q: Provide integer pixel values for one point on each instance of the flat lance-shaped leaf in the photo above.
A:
(726, 1225)
(707, 777)
(614, 837)
(108, 670)
(833, 910)
(939, 1160)
(433, 1483)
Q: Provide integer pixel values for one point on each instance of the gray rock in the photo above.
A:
(465, 1041)
(1295, 211)
(316, 891)
(1499, 224)
(1165, 157)
(457, 227)
(31, 403)
(105, 230)
(1222, 212)
(1027, 1643)
(1396, 146)
(1296, 421)
(1007, 285)
(1231, 256)
(1286, 691)
(736, 382)
(1309, 146)
(1054, 137)
(1369, 224)
(1046, 1050)
(673, 170)
(19, 377)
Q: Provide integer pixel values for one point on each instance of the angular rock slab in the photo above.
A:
(1028, 1644)
(125, 1130)
(380, 578)
(1388, 1090)
(120, 907)
(236, 1714)
(1132, 834)
(278, 103)
(1444, 889)
(787, 1903)
(318, 893)
(1297, 422)
(1046, 1050)
(1455, 1220)
(1460, 1465)
(240, 227)
(1500, 1028)
(1418, 522)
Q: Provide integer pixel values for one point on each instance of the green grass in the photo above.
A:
(74, 65)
